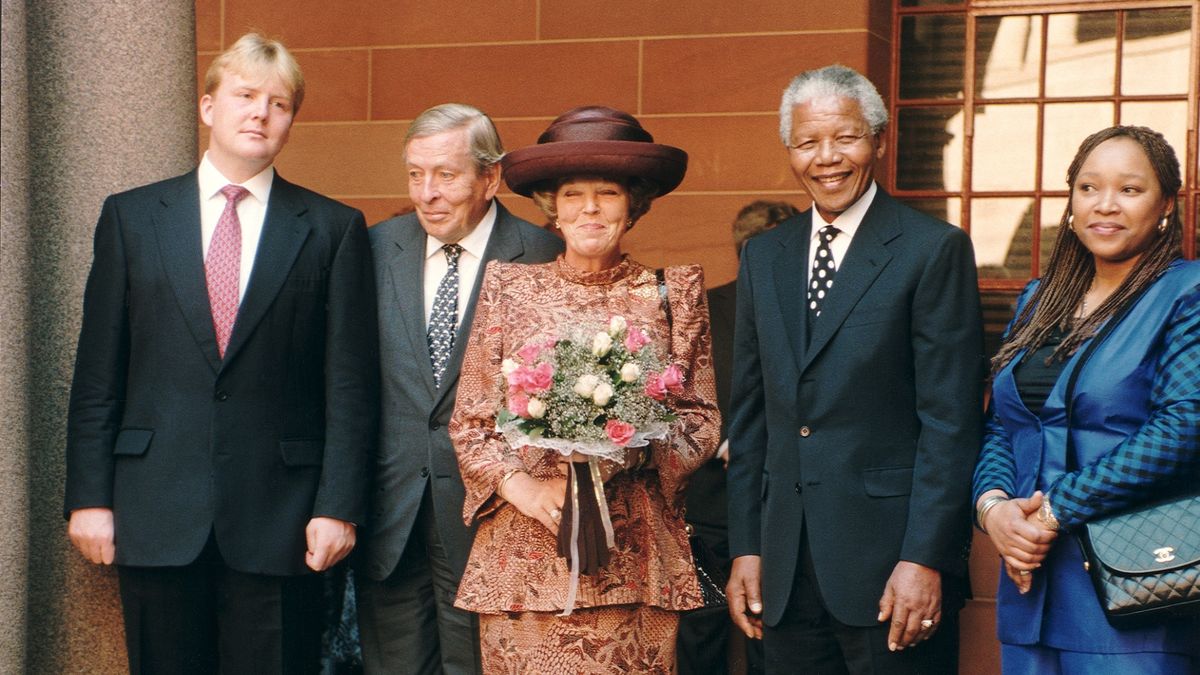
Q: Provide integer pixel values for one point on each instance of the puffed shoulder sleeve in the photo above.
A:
(697, 431)
(484, 457)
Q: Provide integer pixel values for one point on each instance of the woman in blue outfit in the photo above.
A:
(1135, 416)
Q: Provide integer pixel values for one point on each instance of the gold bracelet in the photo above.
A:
(1046, 516)
(985, 508)
(510, 474)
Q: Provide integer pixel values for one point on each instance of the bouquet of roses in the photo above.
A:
(596, 393)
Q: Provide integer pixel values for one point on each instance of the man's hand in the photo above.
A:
(1018, 535)
(91, 531)
(744, 592)
(329, 540)
(913, 595)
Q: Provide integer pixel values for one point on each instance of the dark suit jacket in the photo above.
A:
(180, 443)
(415, 451)
(866, 431)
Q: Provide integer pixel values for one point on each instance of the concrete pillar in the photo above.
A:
(99, 96)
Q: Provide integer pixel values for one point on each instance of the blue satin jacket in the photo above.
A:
(1136, 433)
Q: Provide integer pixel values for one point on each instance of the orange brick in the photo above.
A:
(335, 85)
(985, 566)
(208, 25)
(359, 23)
(379, 209)
(345, 160)
(738, 74)
(979, 649)
(506, 80)
(624, 18)
(728, 153)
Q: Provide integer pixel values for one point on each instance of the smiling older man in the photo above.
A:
(427, 267)
(856, 409)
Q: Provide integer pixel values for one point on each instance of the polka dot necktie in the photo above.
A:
(223, 267)
(823, 269)
(442, 320)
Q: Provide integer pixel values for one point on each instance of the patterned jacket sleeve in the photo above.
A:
(484, 457)
(1165, 450)
(696, 433)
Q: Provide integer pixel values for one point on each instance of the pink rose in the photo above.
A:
(635, 339)
(655, 388)
(672, 379)
(619, 432)
(531, 380)
(518, 404)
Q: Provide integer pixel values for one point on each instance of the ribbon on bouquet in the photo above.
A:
(587, 539)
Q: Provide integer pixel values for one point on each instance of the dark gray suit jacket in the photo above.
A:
(415, 452)
(866, 431)
(181, 443)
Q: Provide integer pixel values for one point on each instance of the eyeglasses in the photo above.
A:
(840, 143)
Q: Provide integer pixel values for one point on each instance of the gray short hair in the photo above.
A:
(836, 80)
(482, 137)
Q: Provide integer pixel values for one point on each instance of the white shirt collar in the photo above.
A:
(211, 181)
(847, 221)
(474, 243)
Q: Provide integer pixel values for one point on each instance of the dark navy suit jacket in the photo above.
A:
(181, 443)
(865, 431)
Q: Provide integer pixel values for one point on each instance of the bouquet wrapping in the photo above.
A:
(598, 393)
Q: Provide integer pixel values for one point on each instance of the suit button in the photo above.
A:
(799, 489)
(424, 472)
(434, 426)
(222, 396)
(805, 432)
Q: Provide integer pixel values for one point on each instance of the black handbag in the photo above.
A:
(1144, 561)
(709, 573)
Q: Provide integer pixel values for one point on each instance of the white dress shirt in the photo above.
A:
(473, 245)
(251, 210)
(847, 221)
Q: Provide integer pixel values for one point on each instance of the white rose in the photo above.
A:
(507, 366)
(616, 325)
(585, 385)
(630, 372)
(536, 409)
(602, 393)
(601, 343)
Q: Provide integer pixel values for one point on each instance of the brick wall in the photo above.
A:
(704, 75)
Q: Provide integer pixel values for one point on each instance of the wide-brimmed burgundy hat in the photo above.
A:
(599, 141)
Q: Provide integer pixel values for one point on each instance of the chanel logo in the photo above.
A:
(1164, 554)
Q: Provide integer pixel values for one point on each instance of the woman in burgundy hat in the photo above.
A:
(610, 602)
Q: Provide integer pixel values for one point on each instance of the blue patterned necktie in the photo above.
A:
(444, 316)
(823, 269)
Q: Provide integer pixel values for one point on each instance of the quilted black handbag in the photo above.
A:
(1145, 563)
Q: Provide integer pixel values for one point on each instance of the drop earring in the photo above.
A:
(1162, 225)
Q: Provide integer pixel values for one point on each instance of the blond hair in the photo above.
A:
(252, 56)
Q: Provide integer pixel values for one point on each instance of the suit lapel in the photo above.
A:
(865, 259)
(177, 225)
(790, 274)
(504, 244)
(284, 232)
(406, 269)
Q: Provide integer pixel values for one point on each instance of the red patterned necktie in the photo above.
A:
(223, 266)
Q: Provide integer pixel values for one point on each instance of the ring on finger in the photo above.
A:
(926, 624)
(1023, 573)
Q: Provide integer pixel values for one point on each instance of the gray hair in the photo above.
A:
(482, 137)
(836, 80)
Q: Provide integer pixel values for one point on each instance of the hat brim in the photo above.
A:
(526, 168)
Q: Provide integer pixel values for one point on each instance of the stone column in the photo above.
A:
(110, 103)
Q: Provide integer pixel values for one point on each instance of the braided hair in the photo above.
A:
(1072, 267)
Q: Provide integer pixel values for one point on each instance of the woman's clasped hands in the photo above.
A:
(1019, 536)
